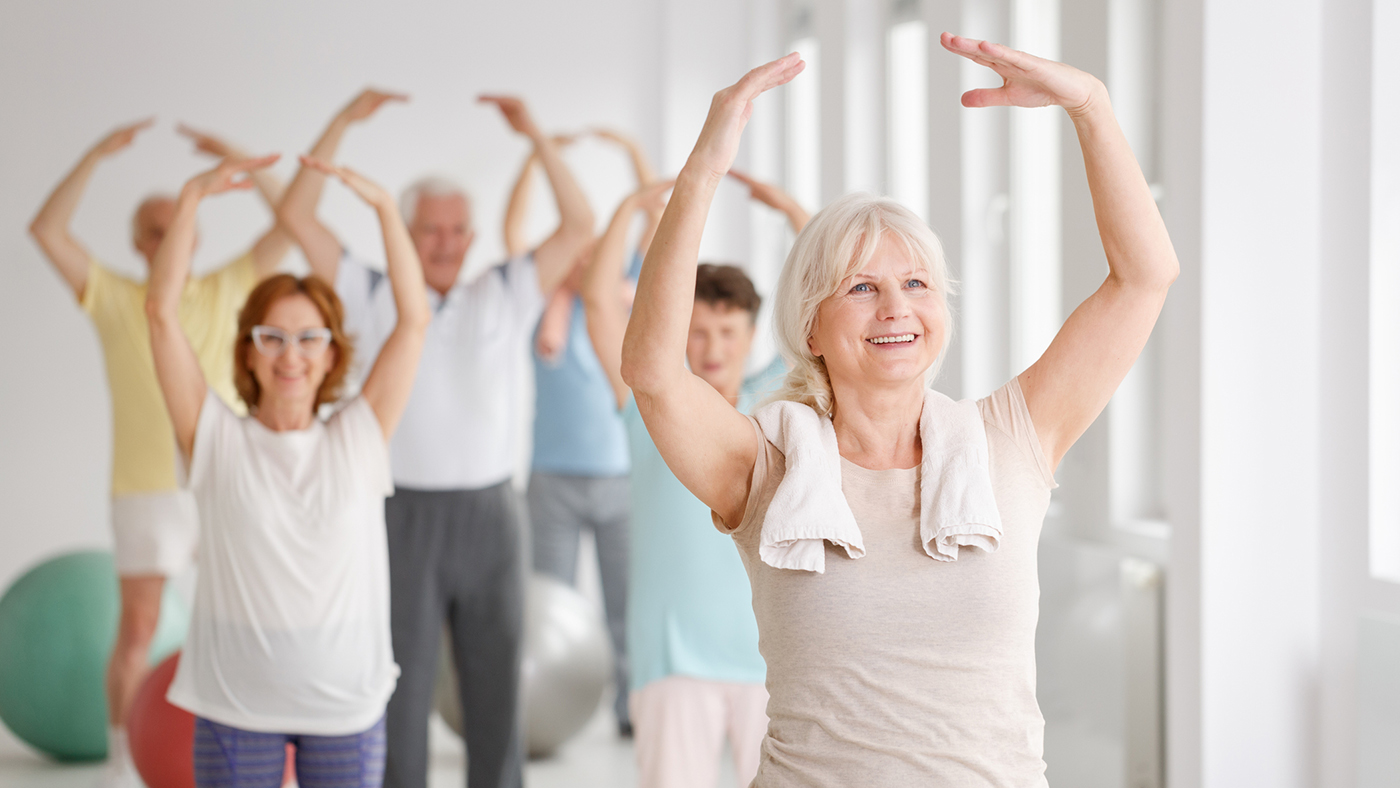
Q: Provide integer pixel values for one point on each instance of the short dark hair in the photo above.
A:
(727, 286)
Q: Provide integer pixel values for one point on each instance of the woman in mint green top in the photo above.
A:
(692, 639)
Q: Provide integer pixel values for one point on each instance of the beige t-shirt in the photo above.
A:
(143, 442)
(896, 669)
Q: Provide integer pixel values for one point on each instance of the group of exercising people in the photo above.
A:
(441, 372)
(840, 580)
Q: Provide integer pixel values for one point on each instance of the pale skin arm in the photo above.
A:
(390, 380)
(177, 367)
(646, 175)
(297, 214)
(518, 207)
(774, 198)
(708, 445)
(1070, 384)
(556, 255)
(52, 226)
(270, 249)
(603, 307)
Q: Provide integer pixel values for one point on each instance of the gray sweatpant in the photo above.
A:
(455, 555)
(560, 508)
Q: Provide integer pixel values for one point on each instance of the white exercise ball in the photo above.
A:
(566, 664)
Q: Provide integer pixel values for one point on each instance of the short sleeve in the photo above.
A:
(213, 436)
(104, 287)
(359, 433)
(1005, 410)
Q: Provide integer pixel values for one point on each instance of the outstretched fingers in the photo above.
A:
(770, 75)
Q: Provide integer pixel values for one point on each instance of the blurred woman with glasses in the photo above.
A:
(289, 640)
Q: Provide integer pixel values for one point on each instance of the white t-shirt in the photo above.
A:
(459, 430)
(290, 631)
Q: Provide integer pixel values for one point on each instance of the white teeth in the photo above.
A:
(887, 340)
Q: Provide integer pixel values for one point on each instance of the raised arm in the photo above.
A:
(706, 442)
(1072, 382)
(390, 380)
(177, 366)
(601, 288)
(297, 213)
(270, 249)
(518, 207)
(52, 227)
(641, 165)
(557, 254)
(774, 198)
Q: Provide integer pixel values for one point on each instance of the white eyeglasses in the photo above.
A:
(273, 342)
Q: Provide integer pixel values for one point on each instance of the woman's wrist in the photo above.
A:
(1094, 107)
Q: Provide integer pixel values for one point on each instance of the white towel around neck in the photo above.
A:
(957, 507)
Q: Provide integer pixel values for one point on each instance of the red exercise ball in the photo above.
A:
(161, 736)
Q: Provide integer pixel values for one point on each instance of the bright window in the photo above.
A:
(1385, 295)
(907, 48)
(804, 151)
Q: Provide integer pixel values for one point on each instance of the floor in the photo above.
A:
(596, 758)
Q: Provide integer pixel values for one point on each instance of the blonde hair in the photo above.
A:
(837, 243)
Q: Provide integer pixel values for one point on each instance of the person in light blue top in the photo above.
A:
(579, 470)
(692, 639)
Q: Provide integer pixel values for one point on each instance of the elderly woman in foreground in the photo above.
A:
(890, 533)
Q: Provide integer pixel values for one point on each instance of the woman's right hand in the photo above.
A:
(729, 113)
(369, 191)
(120, 138)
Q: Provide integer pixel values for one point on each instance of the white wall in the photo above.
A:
(268, 75)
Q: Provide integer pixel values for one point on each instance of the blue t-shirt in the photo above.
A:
(577, 428)
(689, 607)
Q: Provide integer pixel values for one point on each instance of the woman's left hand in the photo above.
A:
(1027, 80)
(225, 177)
(730, 111)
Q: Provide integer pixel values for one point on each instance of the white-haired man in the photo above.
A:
(154, 524)
(453, 529)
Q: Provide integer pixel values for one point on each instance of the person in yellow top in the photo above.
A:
(153, 522)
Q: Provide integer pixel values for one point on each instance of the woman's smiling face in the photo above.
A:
(885, 325)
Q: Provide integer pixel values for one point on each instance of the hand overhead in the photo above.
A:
(225, 178)
(369, 191)
(652, 198)
(1027, 80)
(730, 110)
(515, 112)
(210, 144)
(368, 102)
(121, 137)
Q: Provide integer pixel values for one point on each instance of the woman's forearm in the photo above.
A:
(170, 268)
(404, 269)
(1135, 239)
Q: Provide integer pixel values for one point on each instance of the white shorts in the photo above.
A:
(155, 533)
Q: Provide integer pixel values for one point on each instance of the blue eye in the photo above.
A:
(858, 288)
(914, 283)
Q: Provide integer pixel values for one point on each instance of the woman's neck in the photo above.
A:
(281, 415)
(878, 428)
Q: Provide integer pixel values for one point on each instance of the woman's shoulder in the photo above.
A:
(1005, 414)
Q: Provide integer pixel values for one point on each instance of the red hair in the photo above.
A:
(260, 301)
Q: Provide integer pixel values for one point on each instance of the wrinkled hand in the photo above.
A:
(766, 193)
(208, 143)
(121, 137)
(652, 198)
(225, 177)
(369, 191)
(1027, 80)
(516, 114)
(368, 102)
(730, 111)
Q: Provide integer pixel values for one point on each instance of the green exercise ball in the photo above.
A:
(57, 625)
